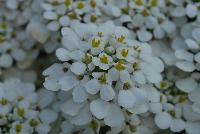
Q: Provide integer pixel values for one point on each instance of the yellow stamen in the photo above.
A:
(93, 18)
(124, 52)
(145, 13)
(104, 59)
(93, 4)
(94, 125)
(72, 15)
(120, 66)
(3, 101)
(87, 59)
(33, 123)
(121, 39)
(18, 128)
(136, 66)
(139, 2)
(154, 3)
(102, 79)
(95, 43)
(67, 3)
(80, 5)
(100, 34)
(21, 112)
(182, 98)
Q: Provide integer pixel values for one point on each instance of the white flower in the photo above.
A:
(103, 61)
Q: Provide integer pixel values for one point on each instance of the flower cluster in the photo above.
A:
(22, 110)
(99, 66)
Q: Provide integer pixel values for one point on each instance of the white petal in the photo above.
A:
(71, 108)
(179, 11)
(154, 77)
(6, 60)
(163, 120)
(126, 98)
(196, 107)
(62, 54)
(78, 68)
(177, 125)
(79, 94)
(107, 93)
(185, 66)
(84, 117)
(48, 116)
(153, 94)
(124, 76)
(186, 85)
(193, 45)
(99, 108)
(68, 82)
(192, 127)
(184, 55)
(50, 15)
(189, 114)
(114, 116)
(71, 42)
(139, 77)
(191, 10)
(144, 35)
(92, 86)
(196, 34)
(197, 57)
(194, 95)
(168, 26)
(113, 75)
(53, 26)
(155, 107)
(64, 21)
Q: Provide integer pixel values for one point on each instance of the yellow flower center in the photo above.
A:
(126, 86)
(100, 34)
(93, 125)
(20, 98)
(67, 3)
(121, 39)
(80, 5)
(139, 2)
(72, 15)
(21, 112)
(120, 66)
(3, 101)
(163, 85)
(102, 79)
(182, 98)
(133, 128)
(33, 123)
(87, 59)
(136, 66)
(18, 128)
(172, 113)
(93, 4)
(2, 38)
(93, 18)
(104, 59)
(124, 52)
(145, 13)
(95, 43)
(154, 3)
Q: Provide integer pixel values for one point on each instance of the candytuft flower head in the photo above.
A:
(105, 71)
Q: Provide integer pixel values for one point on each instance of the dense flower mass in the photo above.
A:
(21, 109)
(100, 67)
